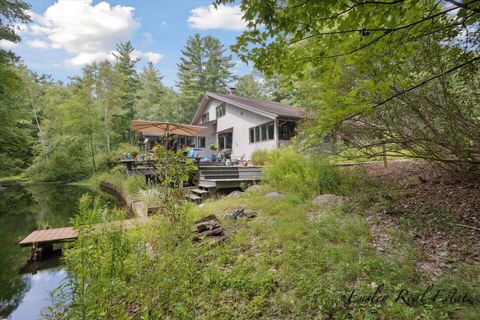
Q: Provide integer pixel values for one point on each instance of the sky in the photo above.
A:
(67, 34)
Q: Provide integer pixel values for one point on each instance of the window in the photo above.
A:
(205, 117)
(187, 142)
(263, 128)
(262, 132)
(271, 130)
(286, 130)
(221, 110)
(201, 142)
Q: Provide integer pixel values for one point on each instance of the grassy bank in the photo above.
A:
(293, 261)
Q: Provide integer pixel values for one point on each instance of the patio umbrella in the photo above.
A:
(166, 128)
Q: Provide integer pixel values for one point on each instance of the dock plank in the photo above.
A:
(68, 233)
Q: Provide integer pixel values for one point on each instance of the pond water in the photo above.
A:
(24, 289)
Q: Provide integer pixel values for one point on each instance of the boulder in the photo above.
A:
(322, 202)
(235, 194)
(253, 188)
(274, 195)
(328, 199)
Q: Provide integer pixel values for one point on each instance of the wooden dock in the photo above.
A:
(40, 238)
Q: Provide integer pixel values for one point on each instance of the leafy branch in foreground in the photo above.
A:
(356, 61)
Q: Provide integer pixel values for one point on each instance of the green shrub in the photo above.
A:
(259, 157)
(292, 172)
(108, 160)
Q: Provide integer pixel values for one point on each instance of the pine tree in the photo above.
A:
(204, 66)
(125, 66)
(155, 101)
(247, 86)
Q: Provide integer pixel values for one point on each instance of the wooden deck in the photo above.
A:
(49, 236)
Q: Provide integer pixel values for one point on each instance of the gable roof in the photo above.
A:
(268, 108)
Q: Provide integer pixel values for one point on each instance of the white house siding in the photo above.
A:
(241, 121)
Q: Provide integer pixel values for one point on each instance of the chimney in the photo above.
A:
(232, 91)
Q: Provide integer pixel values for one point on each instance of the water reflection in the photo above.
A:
(23, 290)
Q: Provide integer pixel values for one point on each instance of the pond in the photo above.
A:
(24, 289)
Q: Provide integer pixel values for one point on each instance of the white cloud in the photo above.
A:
(87, 31)
(39, 44)
(87, 57)
(7, 45)
(153, 57)
(222, 17)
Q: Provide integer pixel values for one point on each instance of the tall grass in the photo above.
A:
(290, 171)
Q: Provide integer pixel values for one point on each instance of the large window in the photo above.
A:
(205, 117)
(221, 110)
(262, 132)
(286, 130)
(201, 142)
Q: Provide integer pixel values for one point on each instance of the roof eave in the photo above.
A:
(243, 106)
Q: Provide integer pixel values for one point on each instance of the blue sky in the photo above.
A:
(66, 34)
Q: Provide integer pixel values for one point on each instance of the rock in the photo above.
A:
(235, 194)
(274, 195)
(328, 199)
(253, 188)
(323, 201)
(240, 213)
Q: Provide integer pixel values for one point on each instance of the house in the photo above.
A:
(242, 125)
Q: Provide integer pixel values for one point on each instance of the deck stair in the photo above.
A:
(213, 178)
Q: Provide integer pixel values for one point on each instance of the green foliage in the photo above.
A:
(132, 184)
(12, 13)
(173, 170)
(15, 129)
(156, 102)
(290, 171)
(248, 86)
(278, 265)
(389, 71)
(204, 66)
(259, 157)
(63, 161)
(128, 85)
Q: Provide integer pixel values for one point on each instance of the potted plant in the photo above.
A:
(214, 149)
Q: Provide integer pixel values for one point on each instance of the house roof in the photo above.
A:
(266, 107)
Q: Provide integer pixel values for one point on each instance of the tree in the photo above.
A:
(125, 66)
(14, 127)
(155, 101)
(345, 60)
(12, 12)
(15, 130)
(203, 67)
(107, 92)
(247, 86)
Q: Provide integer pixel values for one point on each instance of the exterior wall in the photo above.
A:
(210, 138)
(240, 121)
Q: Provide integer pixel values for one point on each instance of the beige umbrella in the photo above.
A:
(167, 128)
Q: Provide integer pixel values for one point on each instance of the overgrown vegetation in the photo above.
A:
(259, 157)
(278, 265)
(292, 172)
